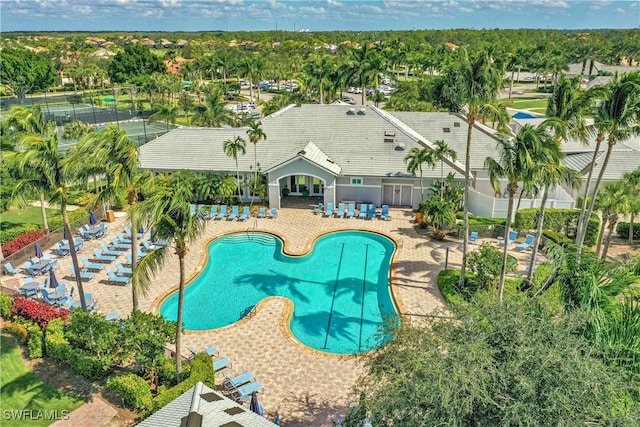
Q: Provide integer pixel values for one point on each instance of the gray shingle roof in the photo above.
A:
(210, 405)
(314, 155)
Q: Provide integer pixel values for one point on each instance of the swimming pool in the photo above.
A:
(340, 290)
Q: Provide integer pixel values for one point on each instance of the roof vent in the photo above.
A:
(456, 124)
(362, 111)
(446, 130)
(301, 153)
(389, 133)
(351, 111)
(388, 139)
(400, 147)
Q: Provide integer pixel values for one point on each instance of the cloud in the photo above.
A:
(335, 3)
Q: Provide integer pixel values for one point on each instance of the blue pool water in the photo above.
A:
(340, 290)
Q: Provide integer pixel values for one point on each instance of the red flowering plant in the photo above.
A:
(21, 241)
(37, 311)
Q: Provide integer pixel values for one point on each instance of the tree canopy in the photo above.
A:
(135, 60)
(23, 70)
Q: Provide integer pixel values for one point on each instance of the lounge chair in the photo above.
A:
(262, 213)
(221, 364)
(473, 238)
(114, 278)
(148, 247)
(351, 210)
(122, 269)
(211, 351)
(340, 213)
(83, 274)
(318, 208)
(11, 270)
(242, 393)
(274, 213)
(112, 252)
(101, 232)
(512, 238)
(329, 210)
(362, 213)
(384, 213)
(245, 214)
(119, 245)
(102, 257)
(194, 209)
(372, 211)
(231, 383)
(234, 213)
(85, 234)
(223, 212)
(527, 243)
(60, 251)
(90, 265)
(212, 212)
(113, 316)
(123, 239)
(127, 231)
(141, 254)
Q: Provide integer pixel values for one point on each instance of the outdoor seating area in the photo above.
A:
(348, 210)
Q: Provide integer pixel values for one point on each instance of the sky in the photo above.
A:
(313, 15)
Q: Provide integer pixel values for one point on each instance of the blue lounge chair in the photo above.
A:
(245, 213)
(473, 238)
(351, 210)
(223, 212)
(11, 270)
(212, 212)
(329, 210)
(111, 316)
(512, 238)
(60, 251)
(111, 252)
(372, 211)
(384, 213)
(85, 234)
(527, 243)
(90, 265)
(122, 269)
(211, 351)
(274, 213)
(102, 231)
(119, 245)
(141, 254)
(231, 383)
(262, 213)
(102, 257)
(362, 213)
(242, 393)
(148, 247)
(340, 213)
(123, 239)
(114, 278)
(221, 364)
(234, 213)
(193, 209)
(318, 208)
(84, 275)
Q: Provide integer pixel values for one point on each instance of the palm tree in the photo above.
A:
(415, 159)
(440, 152)
(612, 202)
(631, 181)
(213, 113)
(477, 82)
(168, 211)
(363, 67)
(617, 117)
(517, 158)
(166, 112)
(255, 134)
(233, 147)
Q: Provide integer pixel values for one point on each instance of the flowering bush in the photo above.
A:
(21, 241)
(37, 311)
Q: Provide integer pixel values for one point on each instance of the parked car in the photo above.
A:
(351, 90)
(371, 92)
(349, 100)
(358, 90)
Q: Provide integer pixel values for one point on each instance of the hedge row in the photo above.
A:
(134, 390)
(559, 221)
(623, 230)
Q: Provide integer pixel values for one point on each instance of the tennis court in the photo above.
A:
(139, 132)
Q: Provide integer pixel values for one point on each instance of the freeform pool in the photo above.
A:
(340, 290)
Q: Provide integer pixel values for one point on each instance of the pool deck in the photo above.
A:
(305, 387)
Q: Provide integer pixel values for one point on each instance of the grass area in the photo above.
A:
(21, 390)
(30, 215)
(525, 103)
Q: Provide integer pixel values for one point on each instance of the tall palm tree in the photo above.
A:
(415, 159)
(477, 82)
(233, 147)
(166, 112)
(213, 113)
(255, 134)
(518, 156)
(168, 211)
(612, 202)
(631, 181)
(440, 152)
(363, 66)
(616, 117)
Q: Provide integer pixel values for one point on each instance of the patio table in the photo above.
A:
(30, 286)
(56, 295)
(40, 266)
(65, 245)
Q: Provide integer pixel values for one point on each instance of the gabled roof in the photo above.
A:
(201, 406)
(313, 155)
(581, 161)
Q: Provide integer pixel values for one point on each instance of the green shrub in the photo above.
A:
(167, 374)
(134, 391)
(486, 263)
(5, 305)
(202, 369)
(19, 331)
(557, 238)
(56, 345)
(56, 222)
(447, 283)
(169, 395)
(89, 366)
(14, 232)
(35, 342)
(559, 221)
(622, 229)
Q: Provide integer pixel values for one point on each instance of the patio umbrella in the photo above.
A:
(38, 250)
(254, 405)
(92, 218)
(53, 282)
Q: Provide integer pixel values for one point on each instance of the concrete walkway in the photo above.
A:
(96, 413)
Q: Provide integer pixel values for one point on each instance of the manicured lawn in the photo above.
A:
(21, 390)
(29, 215)
(525, 103)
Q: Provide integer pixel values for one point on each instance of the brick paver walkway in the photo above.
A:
(306, 388)
(95, 413)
